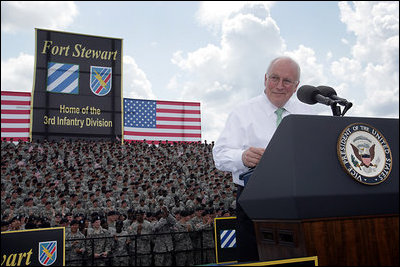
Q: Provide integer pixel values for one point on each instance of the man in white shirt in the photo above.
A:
(247, 132)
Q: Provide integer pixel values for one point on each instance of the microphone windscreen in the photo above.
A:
(307, 93)
(326, 90)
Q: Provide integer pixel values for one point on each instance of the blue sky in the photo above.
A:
(216, 53)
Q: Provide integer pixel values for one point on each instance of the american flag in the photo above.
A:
(148, 120)
(15, 115)
(154, 120)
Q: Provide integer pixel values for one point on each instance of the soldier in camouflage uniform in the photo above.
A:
(142, 206)
(163, 243)
(78, 209)
(10, 212)
(182, 242)
(141, 228)
(95, 208)
(196, 222)
(48, 212)
(28, 208)
(129, 220)
(123, 208)
(101, 247)
(120, 246)
(74, 250)
(112, 218)
(208, 240)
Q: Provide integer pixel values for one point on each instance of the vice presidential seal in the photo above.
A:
(364, 154)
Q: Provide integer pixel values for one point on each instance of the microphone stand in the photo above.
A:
(347, 106)
(336, 110)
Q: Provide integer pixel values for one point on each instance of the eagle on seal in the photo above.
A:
(365, 158)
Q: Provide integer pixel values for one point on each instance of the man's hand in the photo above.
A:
(252, 156)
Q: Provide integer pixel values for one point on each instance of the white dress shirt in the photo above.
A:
(251, 124)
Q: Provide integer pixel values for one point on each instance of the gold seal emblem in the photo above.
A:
(364, 153)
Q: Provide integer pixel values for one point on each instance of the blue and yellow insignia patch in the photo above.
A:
(100, 80)
(47, 252)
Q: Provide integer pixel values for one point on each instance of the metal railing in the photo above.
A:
(200, 253)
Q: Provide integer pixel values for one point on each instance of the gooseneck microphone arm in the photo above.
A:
(331, 93)
(347, 107)
(336, 110)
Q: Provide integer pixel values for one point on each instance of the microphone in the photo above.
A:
(331, 93)
(310, 95)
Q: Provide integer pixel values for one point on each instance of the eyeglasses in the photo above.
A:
(275, 79)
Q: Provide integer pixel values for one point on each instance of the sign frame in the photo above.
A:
(63, 104)
(17, 251)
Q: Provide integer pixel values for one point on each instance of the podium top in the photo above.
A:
(300, 175)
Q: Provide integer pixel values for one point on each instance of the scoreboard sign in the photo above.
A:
(77, 90)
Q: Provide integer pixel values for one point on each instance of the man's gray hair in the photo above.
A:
(285, 57)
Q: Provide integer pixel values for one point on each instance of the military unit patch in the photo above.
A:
(64, 78)
(364, 153)
(47, 252)
(100, 80)
(228, 238)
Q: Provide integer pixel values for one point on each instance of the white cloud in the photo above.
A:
(312, 72)
(232, 71)
(347, 69)
(373, 23)
(135, 82)
(329, 56)
(17, 73)
(223, 75)
(373, 66)
(214, 13)
(382, 89)
(23, 15)
(154, 44)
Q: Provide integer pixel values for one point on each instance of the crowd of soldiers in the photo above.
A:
(153, 202)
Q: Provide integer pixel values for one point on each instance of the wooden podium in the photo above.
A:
(352, 241)
(303, 203)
